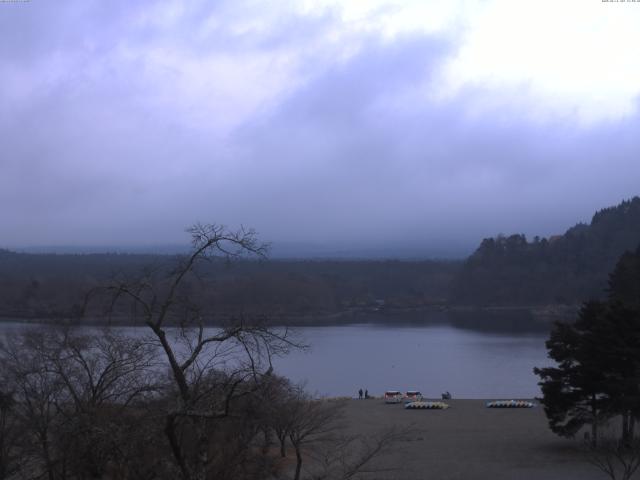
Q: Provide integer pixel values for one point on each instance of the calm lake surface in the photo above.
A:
(430, 357)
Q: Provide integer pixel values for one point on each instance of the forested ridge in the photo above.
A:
(565, 269)
(50, 286)
(503, 271)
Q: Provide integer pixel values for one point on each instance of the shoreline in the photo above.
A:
(539, 318)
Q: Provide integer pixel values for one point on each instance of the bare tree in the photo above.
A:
(274, 398)
(315, 429)
(70, 389)
(616, 458)
(37, 393)
(209, 368)
(9, 435)
(103, 374)
(280, 399)
(348, 457)
(311, 421)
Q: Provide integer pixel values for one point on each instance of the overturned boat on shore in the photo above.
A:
(510, 404)
(422, 405)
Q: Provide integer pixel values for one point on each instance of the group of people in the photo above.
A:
(366, 394)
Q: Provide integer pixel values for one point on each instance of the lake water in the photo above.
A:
(430, 357)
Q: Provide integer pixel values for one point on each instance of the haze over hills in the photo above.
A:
(610, 230)
(280, 250)
(503, 271)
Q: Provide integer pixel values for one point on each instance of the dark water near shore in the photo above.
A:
(470, 359)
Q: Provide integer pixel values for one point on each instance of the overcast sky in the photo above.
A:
(398, 125)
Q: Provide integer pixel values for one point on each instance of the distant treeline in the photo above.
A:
(503, 271)
(50, 286)
(559, 270)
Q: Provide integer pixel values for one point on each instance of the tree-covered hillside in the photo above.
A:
(46, 285)
(503, 271)
(564, 269)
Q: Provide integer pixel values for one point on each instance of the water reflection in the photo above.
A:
(491, 357)
(511, 321)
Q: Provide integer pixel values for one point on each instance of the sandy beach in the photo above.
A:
(469, 441)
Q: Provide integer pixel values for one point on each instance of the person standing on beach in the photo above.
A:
(366, 394)
(360, 394)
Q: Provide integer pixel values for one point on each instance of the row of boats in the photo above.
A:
(413, 400)
(510, 404)
(421, 405)
(424, 405)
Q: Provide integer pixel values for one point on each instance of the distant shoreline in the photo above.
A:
(536, 317)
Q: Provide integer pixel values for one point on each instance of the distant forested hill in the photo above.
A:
(503, 271)
(563, 269)
(49, 285)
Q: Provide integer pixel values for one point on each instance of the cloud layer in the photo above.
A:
(393, 125)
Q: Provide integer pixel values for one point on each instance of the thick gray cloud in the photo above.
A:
(123, 124)
(428, 173)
